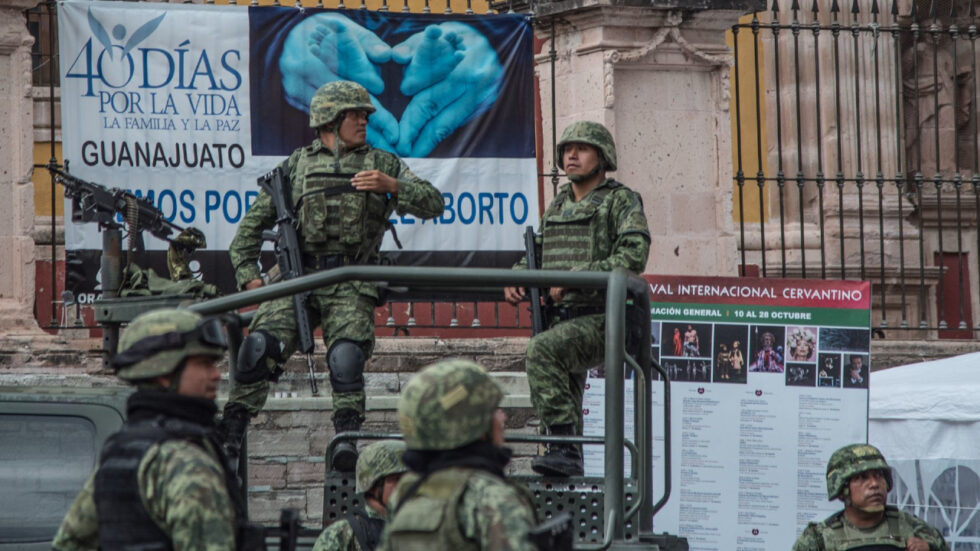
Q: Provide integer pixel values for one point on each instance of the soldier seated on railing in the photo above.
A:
(597, 224)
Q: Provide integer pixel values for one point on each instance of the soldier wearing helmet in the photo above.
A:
(456, 496)
(162, 481)
(379, 468)
(594, 223)
(344, 191)
(859, 476)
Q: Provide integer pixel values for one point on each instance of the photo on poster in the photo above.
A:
(828, 374)
(844, 340)
(730, 353)
(598, 371)
(766, 348)
(801, 344)
(856, 371)
(688, 371)
(801, 374)
(655, 333)
(672, 339)
(686, 340)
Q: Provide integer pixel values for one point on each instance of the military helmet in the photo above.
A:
(377, 461)
(851, 460)
(447, 405)
(591, 133)
(333, 98)
(157, 342)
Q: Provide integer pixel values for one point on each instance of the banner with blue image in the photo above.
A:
(189, 104)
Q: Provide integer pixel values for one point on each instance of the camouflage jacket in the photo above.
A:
(837, 534)
(183, 488)
(339, 536)
(415, 196)
(620, 237)
(491, 513)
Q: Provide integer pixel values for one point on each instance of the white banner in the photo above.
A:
(189, 104)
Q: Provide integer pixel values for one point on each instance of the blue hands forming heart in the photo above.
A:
(451, 74)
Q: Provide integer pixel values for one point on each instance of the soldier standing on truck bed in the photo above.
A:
(344, 191)
(597, 224)
(162, 481)
(859, 476)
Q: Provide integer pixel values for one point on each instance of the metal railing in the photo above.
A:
(617, 284)
(856, 153)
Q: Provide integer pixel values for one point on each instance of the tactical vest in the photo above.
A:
(124, 523)
(834, 538)
(567, 234)
(428, 518)
(367, 530)
(349, 222)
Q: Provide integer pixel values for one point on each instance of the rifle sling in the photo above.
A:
(338, 190)
(329, 192)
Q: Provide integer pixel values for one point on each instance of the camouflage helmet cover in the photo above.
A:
(851, 460)
(591, 133)
(333, 98)
(162, 322)
(447, 405)
(377, 461)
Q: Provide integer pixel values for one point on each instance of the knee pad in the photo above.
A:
(346, 362)
(257, 349)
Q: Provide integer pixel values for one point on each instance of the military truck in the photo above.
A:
(608, 512)
(50, 438)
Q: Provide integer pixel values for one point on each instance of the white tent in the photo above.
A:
(925, 418)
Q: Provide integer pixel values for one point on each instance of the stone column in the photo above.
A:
(658, 77)
(16, 190)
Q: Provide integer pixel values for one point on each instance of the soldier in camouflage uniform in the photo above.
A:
(456, 496)
(336, 229)
(594, 223)
(379, 468)
(162, 481)
(859, 476)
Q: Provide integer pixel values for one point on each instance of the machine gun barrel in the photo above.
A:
(93, 202)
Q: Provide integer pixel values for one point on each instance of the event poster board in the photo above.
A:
(188, 104)
(761, 394)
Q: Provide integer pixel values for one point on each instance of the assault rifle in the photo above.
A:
(289, 259)
(531, 249)
(91, 202)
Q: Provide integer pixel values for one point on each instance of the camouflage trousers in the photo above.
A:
(340, 311)
(557, 365)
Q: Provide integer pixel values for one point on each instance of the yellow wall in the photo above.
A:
(749, 131)
(42, 181)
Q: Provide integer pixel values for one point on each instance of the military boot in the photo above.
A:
(561, 460)
(344, 457)
(231, 431)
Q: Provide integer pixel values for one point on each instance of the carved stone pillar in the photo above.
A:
(16, 190)
(658, 78)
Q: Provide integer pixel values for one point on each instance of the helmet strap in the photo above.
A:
(845, 496)
(373, 496)
(175, 376)
(579, 178)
